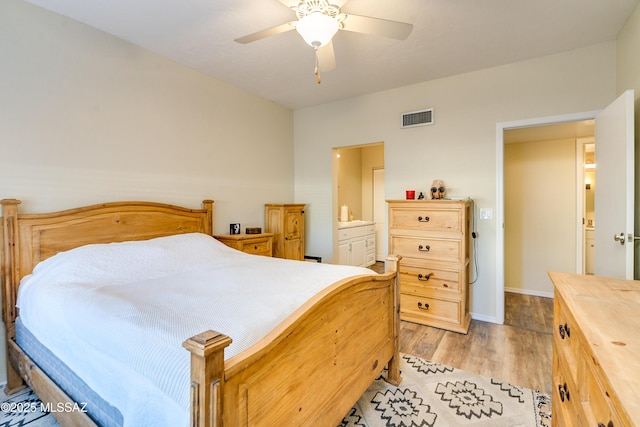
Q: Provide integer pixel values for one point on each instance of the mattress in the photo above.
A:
(97, 408)
(117, 314)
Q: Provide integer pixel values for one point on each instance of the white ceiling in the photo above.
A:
(449, 37)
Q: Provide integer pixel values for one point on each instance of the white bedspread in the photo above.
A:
(117, 314)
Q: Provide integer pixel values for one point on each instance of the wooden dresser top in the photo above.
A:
(607, 312)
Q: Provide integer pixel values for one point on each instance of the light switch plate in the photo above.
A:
(486, 213)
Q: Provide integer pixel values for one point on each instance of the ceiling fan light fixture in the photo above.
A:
(317, 29)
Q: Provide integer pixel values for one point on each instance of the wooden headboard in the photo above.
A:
(28, 239)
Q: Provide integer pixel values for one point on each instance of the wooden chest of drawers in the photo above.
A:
(256, 244)
(596, 351)
(433, 238)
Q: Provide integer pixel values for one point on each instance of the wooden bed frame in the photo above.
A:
(309, 370)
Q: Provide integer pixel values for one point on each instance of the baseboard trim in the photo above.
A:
(529, 292)
(484, 318)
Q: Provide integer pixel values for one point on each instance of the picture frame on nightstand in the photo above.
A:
(234, 228)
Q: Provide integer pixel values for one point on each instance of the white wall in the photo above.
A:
(628, 60)
(460, 148)
(87, 118)
(540, 213)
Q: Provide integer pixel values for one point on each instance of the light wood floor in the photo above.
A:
(518, 352)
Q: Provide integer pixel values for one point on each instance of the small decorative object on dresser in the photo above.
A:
(596, 351)
(234, 228)
(286, 222)
(256, 244)
(437, 190)
(433, 239)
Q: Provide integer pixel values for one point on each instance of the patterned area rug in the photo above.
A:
(433, 395)
(430, 395)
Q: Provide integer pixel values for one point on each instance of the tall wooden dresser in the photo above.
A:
(433, 238)
(286, 222)
(596, 351)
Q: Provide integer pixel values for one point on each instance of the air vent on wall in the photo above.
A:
(417, 118)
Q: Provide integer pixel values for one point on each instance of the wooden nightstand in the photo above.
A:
(256, 244)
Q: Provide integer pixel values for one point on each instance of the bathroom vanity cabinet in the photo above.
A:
(357, 243)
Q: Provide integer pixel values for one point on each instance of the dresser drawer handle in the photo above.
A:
(425, 277)
(425, 248)
(608, 425)
(425, 219)
(562, 390)
(564, 331)
(424, 306)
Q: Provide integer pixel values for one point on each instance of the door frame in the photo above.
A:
(500, 129)
(581, 143)
(381, 244)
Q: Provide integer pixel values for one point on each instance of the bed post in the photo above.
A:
(208, 206)
(207, 377)
(393, 369)
(10, 280)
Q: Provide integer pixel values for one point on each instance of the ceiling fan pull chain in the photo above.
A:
(317, 70)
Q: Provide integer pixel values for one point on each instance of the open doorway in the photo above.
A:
(588, 170)
(359, 197)
(540, 204)
(544, 204)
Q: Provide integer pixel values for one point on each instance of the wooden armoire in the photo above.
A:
(286, 222)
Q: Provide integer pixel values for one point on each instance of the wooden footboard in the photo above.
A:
(312, 368)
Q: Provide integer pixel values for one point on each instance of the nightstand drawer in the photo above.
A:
(255, 244)
(257, 247)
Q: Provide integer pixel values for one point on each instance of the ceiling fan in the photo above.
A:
(318, 21)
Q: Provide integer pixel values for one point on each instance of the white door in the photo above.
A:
(614, 195)
(379, 214)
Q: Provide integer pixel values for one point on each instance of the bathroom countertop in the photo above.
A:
(355, 223)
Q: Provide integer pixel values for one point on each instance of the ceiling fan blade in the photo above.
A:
(327, 58)
(293, 3)
(266, 33)
(376, 26)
